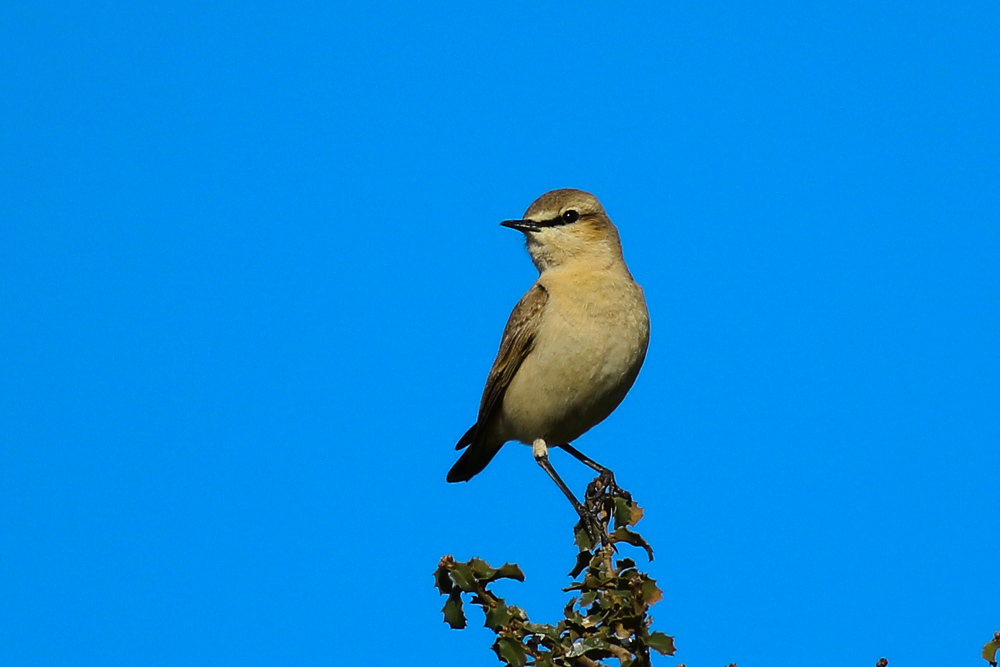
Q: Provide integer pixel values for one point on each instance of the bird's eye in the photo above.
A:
(570, 216)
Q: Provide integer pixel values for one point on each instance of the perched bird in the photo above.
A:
(573, 345)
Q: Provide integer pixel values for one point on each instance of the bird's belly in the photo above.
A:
(573, 379)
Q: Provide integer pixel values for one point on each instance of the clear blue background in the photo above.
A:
(251, 283)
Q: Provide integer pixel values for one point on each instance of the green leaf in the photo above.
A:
(625, 564)
(481, 569)
(582, 560)
(581, 646)
(623, 513)
(462, 575)
(633, 538)
(517, 612)
(442, 580)
(543, 629)
(627, 513)
(991, 648)
(582, 538)
(497, 617)
(508, 571)
(651, 593)
(570, 612)
(595, 617)
(545, 661)
(661, 643)
(453, 614)
(510, 651)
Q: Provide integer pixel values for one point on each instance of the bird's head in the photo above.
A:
(568, 225)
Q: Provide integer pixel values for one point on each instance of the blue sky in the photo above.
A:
(252, 280)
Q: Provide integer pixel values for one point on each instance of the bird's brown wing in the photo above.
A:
(517, 342)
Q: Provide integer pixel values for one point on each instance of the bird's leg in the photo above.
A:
(583, 458)
(605, 475)
(541, 453)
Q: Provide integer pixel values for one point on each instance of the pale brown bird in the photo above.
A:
(573, 345)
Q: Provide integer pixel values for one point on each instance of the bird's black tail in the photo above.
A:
(473, 460)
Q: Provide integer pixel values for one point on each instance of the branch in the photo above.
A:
(607, 619)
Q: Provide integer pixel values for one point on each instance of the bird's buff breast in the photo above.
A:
(586, 356)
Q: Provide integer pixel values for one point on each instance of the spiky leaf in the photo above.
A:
(453, 614)
(508, 571)
(991, 648)
(498, 616)
(462, 575)
(442, 580)
(633, 538)
(581, 646)
(511, 652)
(651, 593)
(661, 643)
(480, 569)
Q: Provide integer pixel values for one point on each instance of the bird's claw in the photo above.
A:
(596, 530)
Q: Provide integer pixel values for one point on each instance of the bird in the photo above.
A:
(573, 345)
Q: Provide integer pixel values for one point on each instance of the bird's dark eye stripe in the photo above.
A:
(566, 218)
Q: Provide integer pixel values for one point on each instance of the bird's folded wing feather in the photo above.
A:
(518, 340)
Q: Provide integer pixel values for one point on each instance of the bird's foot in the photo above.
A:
(605, 486)
(598, 509)
(597, 529)
(606, 480)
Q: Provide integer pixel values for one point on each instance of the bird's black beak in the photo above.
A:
(521, 225)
